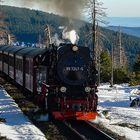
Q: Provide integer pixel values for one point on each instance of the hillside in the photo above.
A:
(124, 21)
(27, 25)
(135, 31)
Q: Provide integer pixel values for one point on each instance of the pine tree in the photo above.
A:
(135, 76)
(120, 76)
(105, 61)
(137, 64)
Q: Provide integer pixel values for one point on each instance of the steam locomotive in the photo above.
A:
(61, 79)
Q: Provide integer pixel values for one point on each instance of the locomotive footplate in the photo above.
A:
(74, 115)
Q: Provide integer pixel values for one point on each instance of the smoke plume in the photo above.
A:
(68, 8)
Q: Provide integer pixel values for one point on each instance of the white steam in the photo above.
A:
(71, 35)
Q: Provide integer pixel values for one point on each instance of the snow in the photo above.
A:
(17, 125)
(121, 118)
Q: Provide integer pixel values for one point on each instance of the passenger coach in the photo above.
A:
(24, 65)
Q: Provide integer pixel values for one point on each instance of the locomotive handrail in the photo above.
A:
(49, 86)
(45, 84)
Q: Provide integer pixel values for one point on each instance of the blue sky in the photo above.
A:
(124, 8)
(115, 8)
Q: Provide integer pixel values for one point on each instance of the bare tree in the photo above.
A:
(47, 33)
(96, 12)
(97, 51)
(120, 59)
(5, 36)
(3, 31)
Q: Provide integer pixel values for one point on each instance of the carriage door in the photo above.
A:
(41, 77)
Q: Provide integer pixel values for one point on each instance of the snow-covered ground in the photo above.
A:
(17, 125)
(114, 102)
(120, 117)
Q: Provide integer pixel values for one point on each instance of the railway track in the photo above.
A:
(70, 130)
(84, 130)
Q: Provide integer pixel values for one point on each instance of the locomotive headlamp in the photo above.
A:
(75, 48)
(87, 89)
(63, 89)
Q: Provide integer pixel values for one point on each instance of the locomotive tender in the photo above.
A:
(62, 80)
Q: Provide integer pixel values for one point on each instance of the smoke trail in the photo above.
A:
(68, 8)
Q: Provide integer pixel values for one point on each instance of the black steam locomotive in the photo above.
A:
(61, 79)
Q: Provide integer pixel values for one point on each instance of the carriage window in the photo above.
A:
(19, 64)
(11, 61)
(27, 67)
(40, 77)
